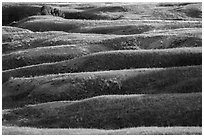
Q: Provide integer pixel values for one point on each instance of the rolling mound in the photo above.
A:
(35, 44)
(43, 55)
(47, 47)
(75, 86)
(53, 23)
(192, 10)
(10, 30)
(184, 37)
(106, 11)
(50, 23)
(13, 42)
(154, 11)
(103, 68)
(114, 112)
(113, 60)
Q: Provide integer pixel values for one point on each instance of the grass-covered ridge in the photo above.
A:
(103, 68)
(43, 55)
(114, 60)
(50, 23)
(76, 86)
(47, 47)
(10, 30)
(114, 112)
(13, 42)
(107, 11)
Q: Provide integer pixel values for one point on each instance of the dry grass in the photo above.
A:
(106, 68)
(50, 23)
(76, 86)
(43, 55)
(107, 11)
(114, 112)
(113, 60)
(158, 39)
(13, 42)
(46, 47)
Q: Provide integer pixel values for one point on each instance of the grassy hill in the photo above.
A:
(53, 23)
(42, 55)
(113, 112)
(13, 42)
(113, 60)
(76, 86)
(106, 68)
(6, 30)
(107, 11)
(46, 47)
(158, 39)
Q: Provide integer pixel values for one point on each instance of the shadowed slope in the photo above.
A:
(114, 60)
(75, 86)
(44, 55)
(158, 39)
(15, 12)
(113, 112)
(45, 46)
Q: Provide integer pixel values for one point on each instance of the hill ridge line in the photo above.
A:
(199, 49)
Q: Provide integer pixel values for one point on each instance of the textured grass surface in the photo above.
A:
(10, 30)
(46, 47)
(101, 70)
(43, 55)
(50, 23)
(127, 131)
(158, 39)
(107, 11)
(114, 60)
(113, 112)
(22, 91)
(13, 42)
